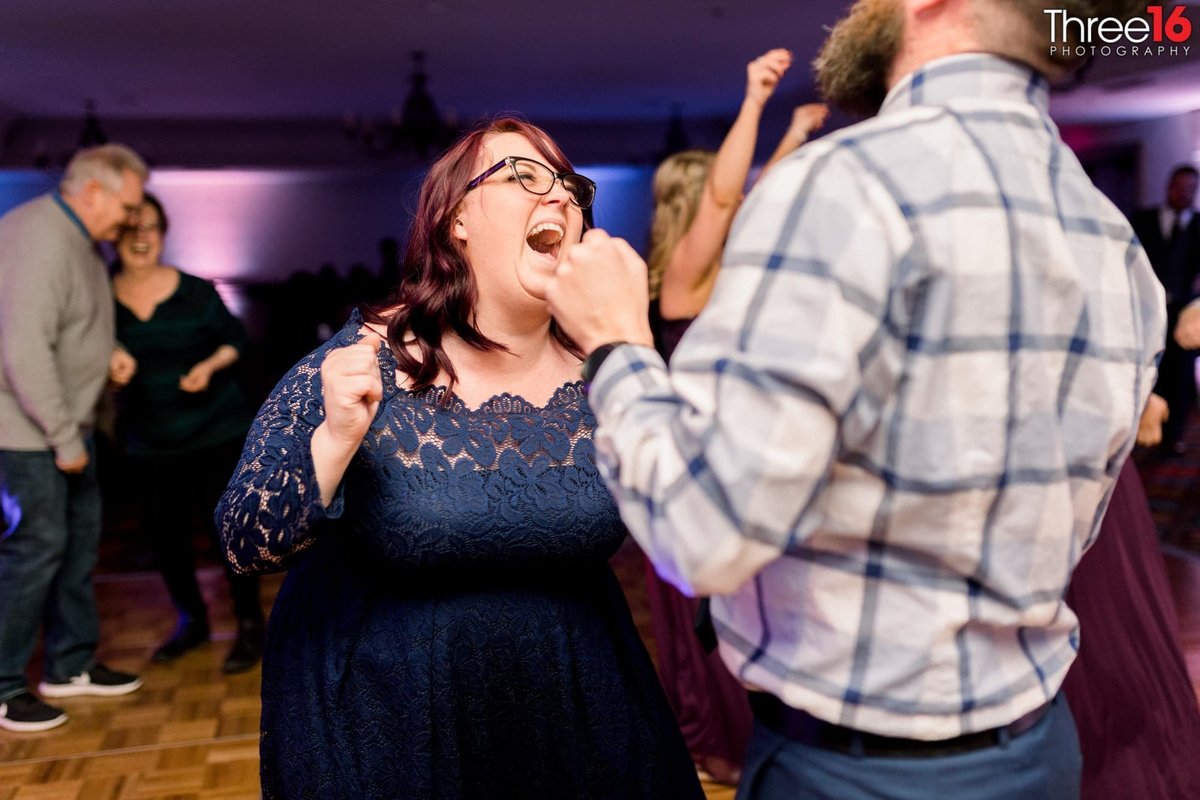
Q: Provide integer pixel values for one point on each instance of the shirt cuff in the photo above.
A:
(628, 373)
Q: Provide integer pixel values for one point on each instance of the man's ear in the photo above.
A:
(459, 229)
(91, 193)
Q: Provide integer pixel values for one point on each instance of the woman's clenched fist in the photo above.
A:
(352, 390)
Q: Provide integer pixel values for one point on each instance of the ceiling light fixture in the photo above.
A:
(417, 126)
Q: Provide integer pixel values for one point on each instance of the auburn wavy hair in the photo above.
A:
(437, 290)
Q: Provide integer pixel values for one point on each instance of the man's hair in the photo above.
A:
(1184, 169)
(1035, 10)
(151, 200)
(103, 164)
(1030, 41)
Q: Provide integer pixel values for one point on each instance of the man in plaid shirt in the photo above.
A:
(888, 439)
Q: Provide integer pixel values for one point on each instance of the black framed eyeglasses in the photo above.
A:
(536, 177)
(143, 227)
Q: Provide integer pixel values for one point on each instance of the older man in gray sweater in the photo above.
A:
(56, 350)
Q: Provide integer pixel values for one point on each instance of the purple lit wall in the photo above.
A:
(240, 227)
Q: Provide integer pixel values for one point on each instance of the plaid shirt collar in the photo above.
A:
(969, 75)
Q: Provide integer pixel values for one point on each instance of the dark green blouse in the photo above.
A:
(156, 416)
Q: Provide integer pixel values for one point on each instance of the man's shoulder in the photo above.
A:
(31, 209)
(842, 149)
(38, 231)
(895, 125)
(879, 152)
(34, 219)
(892, 143)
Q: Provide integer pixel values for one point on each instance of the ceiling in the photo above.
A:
(303, 59)
(299, 59)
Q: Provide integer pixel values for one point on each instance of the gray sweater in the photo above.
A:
(56, 329)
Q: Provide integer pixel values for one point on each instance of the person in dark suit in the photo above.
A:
(1170, 233)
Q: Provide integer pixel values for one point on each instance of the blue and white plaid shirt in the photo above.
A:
(894, 430)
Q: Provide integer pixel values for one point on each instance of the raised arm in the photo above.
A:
(805, 119)
(295, 457)
(689, 275)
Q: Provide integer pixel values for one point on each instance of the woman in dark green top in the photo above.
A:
(183, 418)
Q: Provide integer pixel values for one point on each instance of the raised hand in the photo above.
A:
(353, 388)
(806, 119)
(1151, 424)
(1187, 330)
(599, 293)
(764, 73)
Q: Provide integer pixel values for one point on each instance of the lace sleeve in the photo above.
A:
(268, 512)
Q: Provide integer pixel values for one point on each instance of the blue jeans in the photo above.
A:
(1043, 762)
(46, 562)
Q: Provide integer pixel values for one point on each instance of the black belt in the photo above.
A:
(802, 727)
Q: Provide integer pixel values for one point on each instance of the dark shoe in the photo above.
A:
(25, 713)
(247, 648)
(99, 681)
(189, 634)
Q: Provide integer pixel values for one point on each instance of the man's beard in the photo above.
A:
(855, 61)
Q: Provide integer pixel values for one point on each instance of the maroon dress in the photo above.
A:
(710, 704)
(1129, 690)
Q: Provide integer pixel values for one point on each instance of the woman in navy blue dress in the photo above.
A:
(450, 627)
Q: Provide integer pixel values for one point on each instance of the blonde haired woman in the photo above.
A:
(696, 194)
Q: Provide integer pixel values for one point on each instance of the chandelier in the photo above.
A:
(90, 135)
(416, 126)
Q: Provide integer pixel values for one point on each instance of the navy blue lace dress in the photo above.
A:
(449, 627)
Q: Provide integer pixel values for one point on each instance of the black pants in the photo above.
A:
(178, 492)
(1176, 384)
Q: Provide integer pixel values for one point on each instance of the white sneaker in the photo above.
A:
(25, 713)
(99, 681)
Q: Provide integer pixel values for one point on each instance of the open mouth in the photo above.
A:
(141, 248)
(546, 238)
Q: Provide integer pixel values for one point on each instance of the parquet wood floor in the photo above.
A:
(192, 732)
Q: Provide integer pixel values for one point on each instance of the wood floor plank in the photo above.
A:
(188, 731)
(164, 783)
(58, 790)
(107, 788)
(119, 764)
